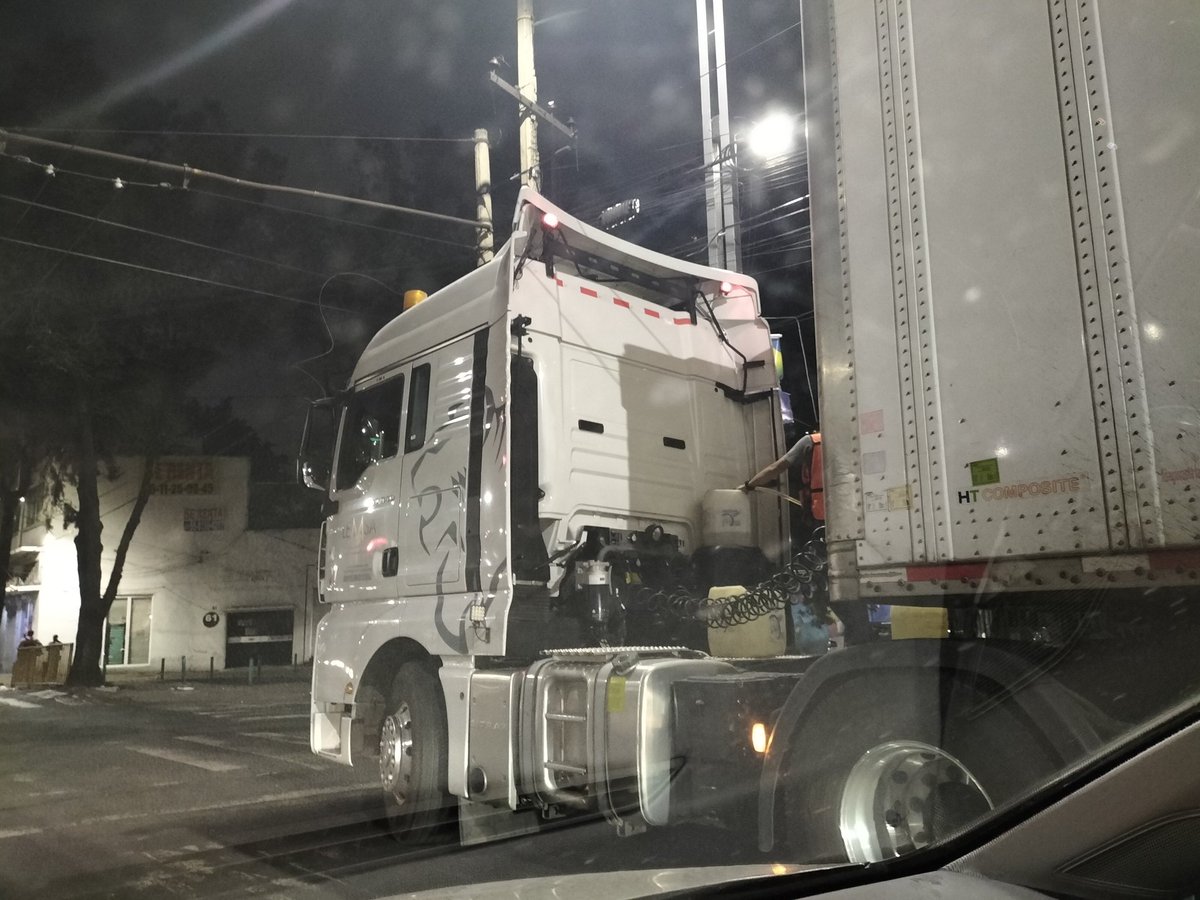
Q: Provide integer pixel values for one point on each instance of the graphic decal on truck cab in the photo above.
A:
(449, 502)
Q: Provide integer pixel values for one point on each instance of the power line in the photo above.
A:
(313, 215)
(159, 234)
(248, 134)
(166, 272)
(191, 172)
(765, 40)
(52, 170)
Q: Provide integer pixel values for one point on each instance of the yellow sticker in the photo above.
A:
(616, 694)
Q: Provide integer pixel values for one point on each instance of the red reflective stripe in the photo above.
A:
(652, 313)
(588, 292)
(620, 302)
(558, 281)
(946, 573)
(1174, 559)
(684, 321)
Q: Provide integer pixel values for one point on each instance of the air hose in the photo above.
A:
(801, 578)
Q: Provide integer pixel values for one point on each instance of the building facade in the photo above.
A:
(205, 581)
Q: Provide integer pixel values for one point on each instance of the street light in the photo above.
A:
(772, 137)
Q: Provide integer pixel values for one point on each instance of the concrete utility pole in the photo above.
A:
(527, 85)
(483, 197)
(525, 93)
(719, 151)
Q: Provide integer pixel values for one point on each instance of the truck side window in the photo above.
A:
(418, 408)
(371, 431)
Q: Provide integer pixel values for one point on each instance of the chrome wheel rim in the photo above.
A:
(905, 795)
(396, 753)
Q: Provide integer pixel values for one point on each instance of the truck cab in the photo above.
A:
(519, 521)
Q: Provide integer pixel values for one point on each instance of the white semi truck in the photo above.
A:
(521, 530)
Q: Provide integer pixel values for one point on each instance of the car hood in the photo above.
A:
(606, 885)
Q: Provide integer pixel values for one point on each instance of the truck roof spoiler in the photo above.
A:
(592, 248)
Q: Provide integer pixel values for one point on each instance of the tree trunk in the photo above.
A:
(89, 636)
(135, 518)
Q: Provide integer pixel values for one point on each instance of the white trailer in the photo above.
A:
(1006, 254)
(1006, 269)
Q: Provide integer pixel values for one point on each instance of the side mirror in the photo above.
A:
(315, 461)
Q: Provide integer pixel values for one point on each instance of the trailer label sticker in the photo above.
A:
(871, 422)
(898, 497)
(1191, 473)
(1067, 484)
(985, 471)
(875, 462)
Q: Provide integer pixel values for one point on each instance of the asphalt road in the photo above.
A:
(153, 791)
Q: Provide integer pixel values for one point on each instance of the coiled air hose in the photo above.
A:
(803, 575)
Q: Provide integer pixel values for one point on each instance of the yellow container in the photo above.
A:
(764, 636)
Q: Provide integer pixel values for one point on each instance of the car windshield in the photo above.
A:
(761, 440)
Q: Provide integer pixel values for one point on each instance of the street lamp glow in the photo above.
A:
(773, 136)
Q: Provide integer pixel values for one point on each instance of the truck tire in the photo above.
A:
(888, 763)
(412, 755)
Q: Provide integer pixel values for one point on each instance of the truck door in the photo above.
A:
(436, 442)
(363, 546)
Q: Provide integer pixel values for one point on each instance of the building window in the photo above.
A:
(128, 632)
(418, 408)
(32, 512)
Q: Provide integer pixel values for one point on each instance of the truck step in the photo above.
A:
(568, 769)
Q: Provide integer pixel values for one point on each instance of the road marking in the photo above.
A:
(174, 756)
(288, 716)
(298, 740)
(19, 704)
(217, 743)
(18, 832)
(168, 814)
(200, 739)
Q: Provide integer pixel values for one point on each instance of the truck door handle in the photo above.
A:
(391, 562)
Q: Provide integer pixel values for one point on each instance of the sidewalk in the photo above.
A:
(274, 680)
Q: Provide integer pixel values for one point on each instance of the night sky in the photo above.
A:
(302, 76)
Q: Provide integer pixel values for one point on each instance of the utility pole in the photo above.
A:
(527, 85)
(483, 197)
(719, 151)
(525, 93)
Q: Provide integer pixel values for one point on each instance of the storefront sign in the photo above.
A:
(206, 519)
(184, 476)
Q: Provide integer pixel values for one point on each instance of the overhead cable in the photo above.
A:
(167, 272)
(241, 134)
(191, 172)
(159, 234)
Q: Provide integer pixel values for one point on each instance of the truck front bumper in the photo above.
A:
(334, 733)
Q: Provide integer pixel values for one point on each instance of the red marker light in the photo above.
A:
(726, 287)
(550, 220)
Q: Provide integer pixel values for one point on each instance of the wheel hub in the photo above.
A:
(905, 795)
(395, 753)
